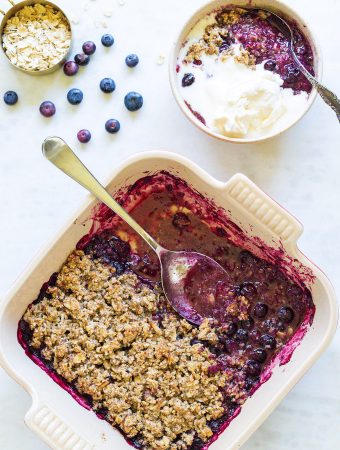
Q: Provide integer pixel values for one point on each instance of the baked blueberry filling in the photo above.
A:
(102, 329)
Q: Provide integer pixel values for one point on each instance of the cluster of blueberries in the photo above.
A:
(133, 100)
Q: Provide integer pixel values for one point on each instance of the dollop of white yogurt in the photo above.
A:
(237, 100)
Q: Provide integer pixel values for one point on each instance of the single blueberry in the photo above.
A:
(10, 97)
(81, 59)
(242, 335)
(270, 65)
(112, 126)
(133, 101)
(188, 79)
(260, 310)
(89, 47)
(107, 85)
(75, 96)
(285, 314)
(248, 289)
(83, 136)
(260, 355)
(132, 60)
(107, 40)
(70, 68)
(47, 109)
(253, 367)
(268, 341)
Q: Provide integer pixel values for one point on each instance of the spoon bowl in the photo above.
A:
(194, 284)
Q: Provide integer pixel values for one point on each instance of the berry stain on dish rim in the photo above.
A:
(162, 190)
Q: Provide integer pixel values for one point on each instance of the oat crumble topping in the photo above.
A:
(99, 331)
(215, 35)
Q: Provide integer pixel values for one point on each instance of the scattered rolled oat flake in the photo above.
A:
(37, 37)
(75, 20)
(108, 13)
(85, 6)
(161, 59)
(121, 2)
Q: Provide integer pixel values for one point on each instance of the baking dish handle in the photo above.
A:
(262, 208)
(52, 430)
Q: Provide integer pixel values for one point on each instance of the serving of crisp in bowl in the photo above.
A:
(232, 72)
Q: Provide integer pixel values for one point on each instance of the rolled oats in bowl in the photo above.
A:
(37, 37)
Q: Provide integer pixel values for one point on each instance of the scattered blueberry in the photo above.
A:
(47, 109)
(285, 314)
(89, 47)
(75, 96)
(107, 85)
(83, 136)
(181, 220)
(112, 126)
(81, 59)
(197, 443)
(260, 355)
(132, 60)
(70, 68)
(270, 65)
(260, 310)
(133, 101)
(10, 97)
(107, 40)
(253, 367)
(188, 79)
(242, 335)
(268, 341)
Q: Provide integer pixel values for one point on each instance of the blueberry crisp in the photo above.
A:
(237, 76)
(102, 327)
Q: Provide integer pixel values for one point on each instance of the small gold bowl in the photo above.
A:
(12, 11)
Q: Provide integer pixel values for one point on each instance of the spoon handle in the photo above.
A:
(59, 153)
(328, 96)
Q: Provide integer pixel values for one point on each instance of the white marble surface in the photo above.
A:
(300, 169)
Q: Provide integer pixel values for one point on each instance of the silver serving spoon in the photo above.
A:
(189, 278)
(328, 96)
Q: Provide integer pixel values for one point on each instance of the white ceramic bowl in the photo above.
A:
(273, 5)
(65, 425)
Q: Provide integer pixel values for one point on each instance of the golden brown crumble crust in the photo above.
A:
(100, 333)
(214, 36)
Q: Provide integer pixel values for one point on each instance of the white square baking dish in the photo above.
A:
(56, 417)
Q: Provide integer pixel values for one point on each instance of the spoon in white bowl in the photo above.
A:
(194, 284)
(282, 25)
